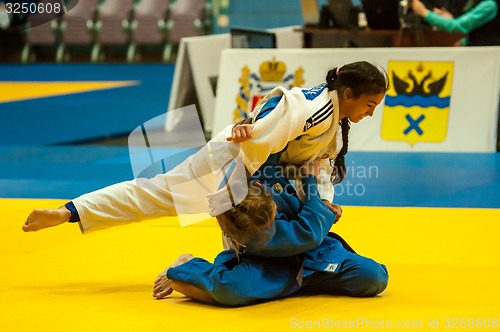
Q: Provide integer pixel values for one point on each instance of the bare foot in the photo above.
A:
(163, 286)
(40, 219)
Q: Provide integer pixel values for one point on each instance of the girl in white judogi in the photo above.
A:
(305, 123)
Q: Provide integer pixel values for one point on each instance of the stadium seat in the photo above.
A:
(76, 27)
(186, 18)
(112, 26)
(148, 26)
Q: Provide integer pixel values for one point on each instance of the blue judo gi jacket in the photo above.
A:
(299, 247)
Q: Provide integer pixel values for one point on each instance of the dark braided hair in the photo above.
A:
(339, 165)
(362, 78)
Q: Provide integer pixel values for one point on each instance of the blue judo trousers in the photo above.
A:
(301, 256)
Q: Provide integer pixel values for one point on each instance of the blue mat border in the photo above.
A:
(83, 116)
(396, 179)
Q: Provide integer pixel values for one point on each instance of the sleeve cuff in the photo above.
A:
(75, 217)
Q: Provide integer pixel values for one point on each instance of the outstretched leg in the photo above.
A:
(163, 286)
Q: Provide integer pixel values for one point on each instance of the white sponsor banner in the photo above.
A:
(441, 99)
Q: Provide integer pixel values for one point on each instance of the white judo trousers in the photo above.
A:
(291, 124)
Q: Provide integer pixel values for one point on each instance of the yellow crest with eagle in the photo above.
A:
(254, 86)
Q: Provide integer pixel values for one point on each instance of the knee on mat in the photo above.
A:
(373, 279)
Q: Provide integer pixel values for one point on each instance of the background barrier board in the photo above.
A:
(197, 69)
(441, 99)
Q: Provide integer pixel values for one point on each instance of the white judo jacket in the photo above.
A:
(305, 119)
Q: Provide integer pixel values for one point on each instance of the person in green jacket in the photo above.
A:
(480, 21)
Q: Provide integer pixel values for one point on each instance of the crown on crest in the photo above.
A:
(272, 71)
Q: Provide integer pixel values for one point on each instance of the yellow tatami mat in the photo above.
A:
(444, 268)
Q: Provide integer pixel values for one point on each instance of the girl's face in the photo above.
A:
(355, 109)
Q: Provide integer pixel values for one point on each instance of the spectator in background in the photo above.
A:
(480, 21)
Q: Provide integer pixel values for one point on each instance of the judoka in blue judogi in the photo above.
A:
(301, 256)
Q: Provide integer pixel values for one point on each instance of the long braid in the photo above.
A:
(339, 166)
